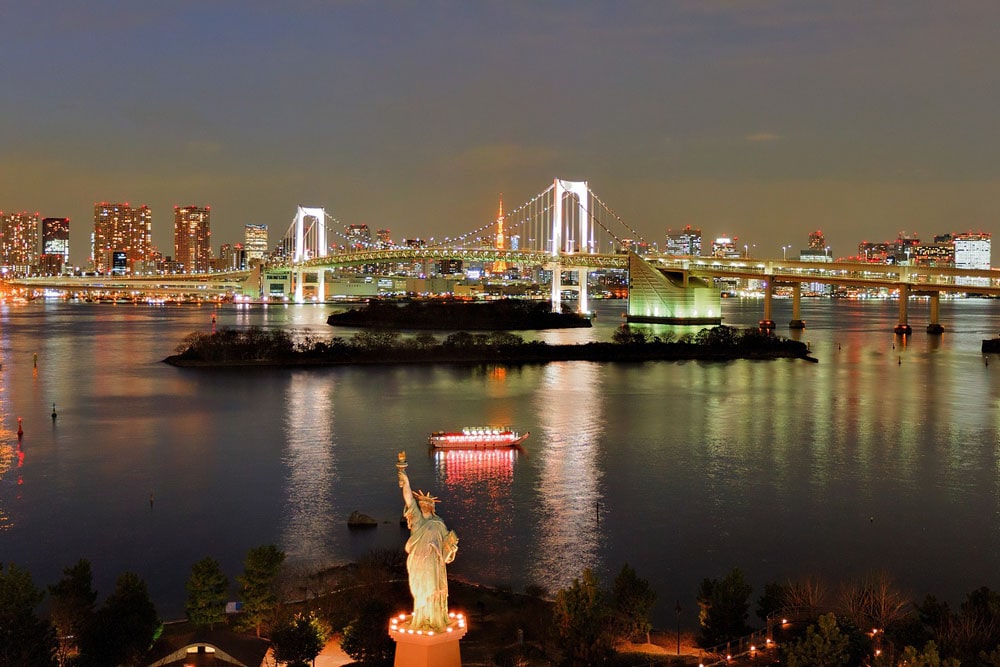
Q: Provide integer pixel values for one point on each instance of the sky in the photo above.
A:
(762, 120)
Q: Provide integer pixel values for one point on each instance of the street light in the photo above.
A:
(746, 250)
(784, 251)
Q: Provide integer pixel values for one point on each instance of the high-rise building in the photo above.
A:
(359, 236)
(192, 238)
(255, 242)
(724, 246)
(972, 250)
(684, 242)
(18, 241)
(384, 238)
(817, 241)
(55, 237)
(121, 228)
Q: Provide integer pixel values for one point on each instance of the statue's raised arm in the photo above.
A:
(430, 547)
(404, 480)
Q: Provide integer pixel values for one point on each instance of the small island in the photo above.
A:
(259, 347)
(457, 315)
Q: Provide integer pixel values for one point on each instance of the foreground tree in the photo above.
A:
(72, 607)
(927, 658)
(581, 616)
(632, 600)
(206, 593)
(299, 641)
(365, 639)
(823, 646)
(25, 639)
(724, 607)
(258, 586)
(124, 627)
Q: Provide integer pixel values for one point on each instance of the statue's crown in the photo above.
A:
(424, 497)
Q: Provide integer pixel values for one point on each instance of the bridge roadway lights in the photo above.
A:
(903, 329)
(797, 324)
(935, 328)
(766, 325)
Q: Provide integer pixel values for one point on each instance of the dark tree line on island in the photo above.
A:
(278, 346)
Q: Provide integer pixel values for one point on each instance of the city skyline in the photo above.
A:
(761, 121)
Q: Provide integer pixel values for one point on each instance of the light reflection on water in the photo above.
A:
(884, 455)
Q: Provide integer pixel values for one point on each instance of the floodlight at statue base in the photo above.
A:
(421, 648)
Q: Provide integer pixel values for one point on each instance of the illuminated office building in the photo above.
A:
(18, 241)
(121, 228)
(255, 242)
(684, 242)
(192, 238)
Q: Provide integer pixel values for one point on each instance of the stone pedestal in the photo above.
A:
(421, 648)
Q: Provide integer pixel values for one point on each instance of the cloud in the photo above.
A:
(761, 137)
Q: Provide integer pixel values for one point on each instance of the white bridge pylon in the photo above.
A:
(584, 237)
(315, 233)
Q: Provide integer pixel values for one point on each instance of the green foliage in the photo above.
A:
(724, 608)
(927, 658)
(207, 589)
(258, 585)
(582, 617)
(823, 646)
(632, 600)
(460, 339)
(375, 339)
(124, 627)
(626, 335)
(248, 344)
(365, 639)
(299, 641)
(71, 607)
(25, 639)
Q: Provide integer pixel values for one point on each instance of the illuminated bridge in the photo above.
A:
(560, 235)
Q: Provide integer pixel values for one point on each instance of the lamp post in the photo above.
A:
(746, 250)
(784, 251)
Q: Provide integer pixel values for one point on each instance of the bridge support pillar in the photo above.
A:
(797, 321)
(321, 285)
(556, 287)
(935, 325)
(583, 303)
(903, 328)
(767, 323)
(297, 279)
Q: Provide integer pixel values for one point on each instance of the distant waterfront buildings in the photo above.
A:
(972, 250)
(684, 242)
(359, 236)
(724, 246)
(192, 238)
(255, 243)
(55, 245)
(121, 228)
(18, 242)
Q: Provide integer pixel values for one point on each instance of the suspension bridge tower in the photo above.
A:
(569, 240)
(310, 242)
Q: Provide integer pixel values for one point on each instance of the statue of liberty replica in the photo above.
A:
(431, 546)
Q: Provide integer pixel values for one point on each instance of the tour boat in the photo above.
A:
(478, 437)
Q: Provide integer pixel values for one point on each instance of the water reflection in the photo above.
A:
(570, 414)
(479, 485)
(311, 468)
